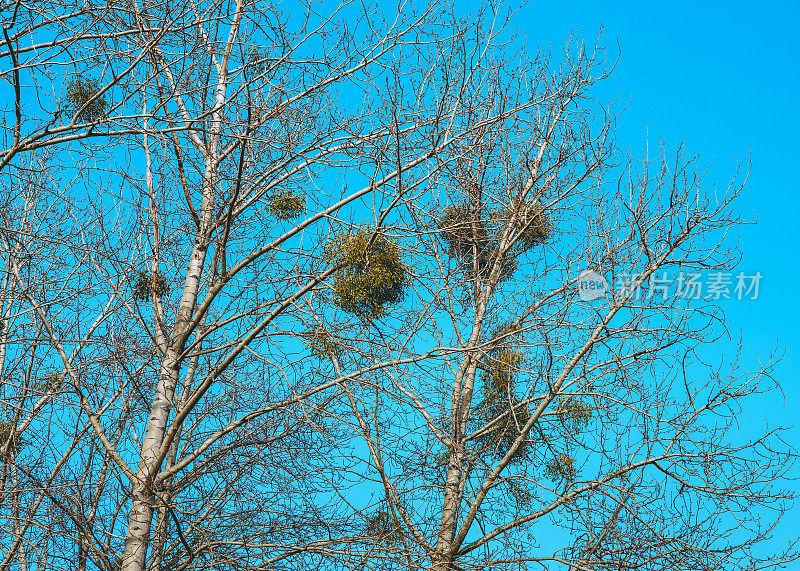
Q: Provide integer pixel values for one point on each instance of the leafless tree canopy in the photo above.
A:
(291, 286)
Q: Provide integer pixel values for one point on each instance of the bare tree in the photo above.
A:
(528, 422)
(172, 173)
(291, 289)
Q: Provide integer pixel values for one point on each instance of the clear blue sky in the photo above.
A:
(723, 77)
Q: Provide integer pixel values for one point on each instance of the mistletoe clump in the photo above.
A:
(576, 414)
(441, 458)
(500, 407)
(256, 61)
(561, 467)
(474, 238)
(499, 369)
(51, 382)
(521, 495)
(286, 205)
(321, 343)
(531, 224)
(370, 274)
(81, 99)
(385, 528)
(149, 284)
(462, 232)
